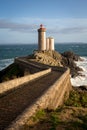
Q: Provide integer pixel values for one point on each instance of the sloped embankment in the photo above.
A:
(71, 116)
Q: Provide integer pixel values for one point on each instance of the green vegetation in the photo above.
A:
(40, 115)
(71, 116)
(54, 120)
(77, 99)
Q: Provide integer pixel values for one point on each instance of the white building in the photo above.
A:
(43, 42)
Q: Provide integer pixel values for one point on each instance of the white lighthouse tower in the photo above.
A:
(43, 42)
(51, 43)
(41, 38)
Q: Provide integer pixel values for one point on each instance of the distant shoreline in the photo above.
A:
(36, 43)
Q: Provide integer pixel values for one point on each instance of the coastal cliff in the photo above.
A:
(50, 58)
(54, 58)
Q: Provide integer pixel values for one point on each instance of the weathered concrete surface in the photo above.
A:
(52, 95)
(15, 102)
(11, 85)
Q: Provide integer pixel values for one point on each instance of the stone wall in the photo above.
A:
(8, 86)
(28, 66)
(51, 99)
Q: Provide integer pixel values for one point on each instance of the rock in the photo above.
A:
(11, 72)
(52, 58)
(68, 60)
(84, 87)
(71, 55)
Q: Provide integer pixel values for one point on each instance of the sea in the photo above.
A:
(8, 52)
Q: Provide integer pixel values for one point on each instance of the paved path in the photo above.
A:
(15, 102)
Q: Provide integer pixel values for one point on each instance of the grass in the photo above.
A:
(54, 120)
(40, 115)
(77, 99)
(71, 116)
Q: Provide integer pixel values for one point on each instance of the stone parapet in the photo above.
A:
(52, 97)
(11, 85)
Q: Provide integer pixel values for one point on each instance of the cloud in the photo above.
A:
(5, 24)
(74, 30)
(54, 26)
(68, 30)
(66, 25)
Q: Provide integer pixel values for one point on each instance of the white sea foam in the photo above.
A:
(5, 62)
(81, 80)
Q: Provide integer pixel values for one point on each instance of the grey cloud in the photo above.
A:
(74, 30)
(69, 30)
(4, 24)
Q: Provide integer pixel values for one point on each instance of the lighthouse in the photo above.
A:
(44, 44)
(41, 38)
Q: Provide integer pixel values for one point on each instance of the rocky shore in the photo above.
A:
(54, 58)
(51, 58)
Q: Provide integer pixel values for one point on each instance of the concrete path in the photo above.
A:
(15, 102)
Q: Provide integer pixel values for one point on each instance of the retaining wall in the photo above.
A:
(51, 99)
(29, 66)
(7, 86)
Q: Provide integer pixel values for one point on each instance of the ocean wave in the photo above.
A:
(81, 80)
(5, 62)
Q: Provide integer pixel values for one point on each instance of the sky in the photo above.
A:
(65, 20)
